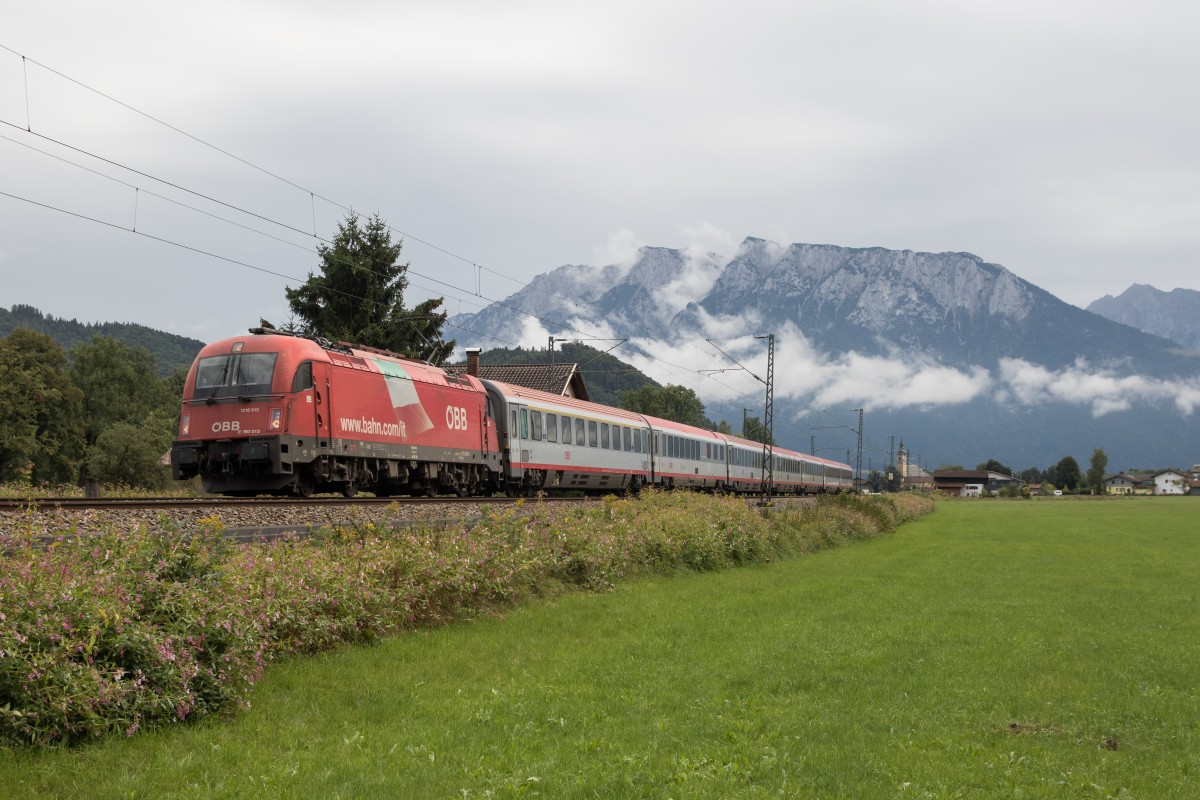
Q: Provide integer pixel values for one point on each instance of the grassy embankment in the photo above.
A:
(992, 649)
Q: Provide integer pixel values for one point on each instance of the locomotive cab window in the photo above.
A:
(235, 374)
(304, 377)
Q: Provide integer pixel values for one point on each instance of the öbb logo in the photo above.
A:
(226, 426)
(456, 418)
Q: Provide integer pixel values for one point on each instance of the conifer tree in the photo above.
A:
(359, 295)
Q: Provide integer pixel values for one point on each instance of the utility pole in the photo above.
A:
(858, 461)
(550, 369)
(769, 419)
(768, 466)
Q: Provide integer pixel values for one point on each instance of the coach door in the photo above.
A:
(518, 435)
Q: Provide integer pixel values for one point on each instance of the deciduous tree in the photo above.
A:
(130, 453)
(1067, 472)
(754, 430)
(120, 383)
(992, 465)
(677, 403)
(1095, 473)
(41, 411)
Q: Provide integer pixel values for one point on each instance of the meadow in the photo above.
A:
(992, 649)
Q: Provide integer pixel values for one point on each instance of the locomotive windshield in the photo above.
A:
(237, 374)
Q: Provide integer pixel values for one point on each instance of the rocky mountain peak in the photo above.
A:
(1174, 315)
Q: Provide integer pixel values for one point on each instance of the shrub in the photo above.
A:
(119, 631)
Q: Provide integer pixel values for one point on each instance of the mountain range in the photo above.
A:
(961, 358)
(1174, 315)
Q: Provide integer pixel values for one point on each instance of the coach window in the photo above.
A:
(580, 436)
(593, 434)
(524, 423)
(566, 429)
(551, 428)
(535, 422)
(626, 440)
(604, 443)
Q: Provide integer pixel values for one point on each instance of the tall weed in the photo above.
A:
(111, 633)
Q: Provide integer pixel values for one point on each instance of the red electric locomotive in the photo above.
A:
(276, 413)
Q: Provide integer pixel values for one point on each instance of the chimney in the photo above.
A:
(473, 361)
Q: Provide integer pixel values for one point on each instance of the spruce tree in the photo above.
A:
(359, 295)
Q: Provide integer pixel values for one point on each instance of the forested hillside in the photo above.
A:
(172, 353)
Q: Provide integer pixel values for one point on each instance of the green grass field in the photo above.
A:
(993, 649)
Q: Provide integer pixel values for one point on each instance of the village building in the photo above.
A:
(561, 379)
(971, 482)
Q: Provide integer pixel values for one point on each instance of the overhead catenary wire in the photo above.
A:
(203, 142)
(284, 276)
(312, 195)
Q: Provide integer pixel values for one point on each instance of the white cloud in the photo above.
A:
(620, 249)
(1103, 390)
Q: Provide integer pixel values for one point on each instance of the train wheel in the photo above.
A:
(431, 489)
(349, 489)
(304, 485)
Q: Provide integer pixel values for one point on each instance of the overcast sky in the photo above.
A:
(1059, 139)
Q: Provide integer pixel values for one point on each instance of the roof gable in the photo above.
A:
(560, 379)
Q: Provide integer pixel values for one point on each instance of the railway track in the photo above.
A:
(243, 519)
(83, 504)
(250, 518)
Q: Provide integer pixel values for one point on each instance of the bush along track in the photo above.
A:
(115, 632)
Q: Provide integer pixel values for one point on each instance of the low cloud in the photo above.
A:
(1103, 390)
(621, 249)
(725, 362)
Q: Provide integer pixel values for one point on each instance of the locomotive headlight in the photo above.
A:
(185, 424)
(276, 418)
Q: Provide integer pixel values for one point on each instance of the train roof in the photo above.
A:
(580, 407)
(679, 427)
(738, 440)
(367, 359)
